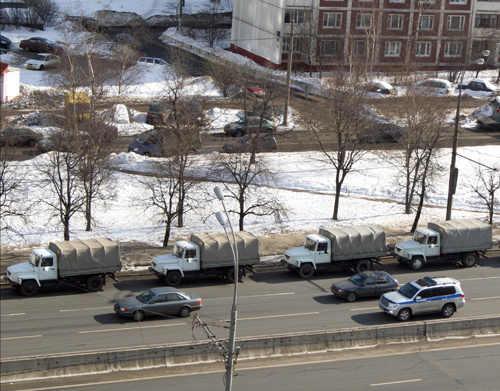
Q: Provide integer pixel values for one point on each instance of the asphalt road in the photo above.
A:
(274, 301)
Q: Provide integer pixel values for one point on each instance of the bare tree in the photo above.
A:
(223, 74)
(43, 11)
(487, 183)
(338, 123)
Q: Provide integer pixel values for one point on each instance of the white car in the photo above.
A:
(151, 61)
(42, 61)
(433, 87)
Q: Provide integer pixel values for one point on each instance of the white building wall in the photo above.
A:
(255, 27)
(10, 84)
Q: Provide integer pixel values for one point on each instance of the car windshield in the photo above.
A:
(310, 244)
(240, 121)
(145, 297)
(357, 279)
(147, 139)
(40, 57)
(420, 237)
(178, 251)
(408, 290)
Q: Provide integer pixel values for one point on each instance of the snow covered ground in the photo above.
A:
(305, 184)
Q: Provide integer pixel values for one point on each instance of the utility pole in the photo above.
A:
(289, 72)
(179, 19)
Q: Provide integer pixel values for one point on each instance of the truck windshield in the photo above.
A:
(310, 244)
(145, 297)
(420, 237)
(178, 251)
(408, 290)
(34, 259)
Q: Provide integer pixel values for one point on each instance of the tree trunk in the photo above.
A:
(167, 234)
(88, 214)
(66, 229)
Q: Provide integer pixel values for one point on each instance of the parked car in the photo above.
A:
(382, 133)
(158, 113)
(42, 45)
(262, 143)
(491, 122)
(250, 124)
(479, 85)
(5, 42)
(42, 61)
(365, 284)
(423, 296)
(433, 87)
(151, 61)
(256, 90)
(20, 135)
(147, 144)
(158, 301)
(379, 87)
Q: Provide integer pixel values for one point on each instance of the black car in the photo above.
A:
(246, 143)
(365, 284)
(5, 42)
(20, 135)
(158, 113)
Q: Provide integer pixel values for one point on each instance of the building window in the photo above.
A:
(486, 21)
(330, 48)
(297, 45)
(332, 20)
(456, 22)
(363, 21)
(453, 49)
(427, 22)
(298, 16)
(396, 1)
(392, 49)
(427, 1)
(458, 1)
(359, 48)
(395, 22)
(422, 49)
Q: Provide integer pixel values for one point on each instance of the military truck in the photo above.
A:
(334, 248)
(84, 263)
(206, 255)
(446, 241)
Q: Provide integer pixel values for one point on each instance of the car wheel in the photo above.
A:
(26, 49)
(184, 312)
(351, 296)
(404, 314)
(416, 263)
(29, 288)
(32, 143)
(138, 316)
(41, 68)
(173, 278)
(469, 259)
(94, 284)
(448, 310)
(306, 270)
(362, 266)
(146, 154)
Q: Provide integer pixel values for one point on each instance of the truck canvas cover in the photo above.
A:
(463, 235)
(356, 242)
(216, 251)
(88, 256)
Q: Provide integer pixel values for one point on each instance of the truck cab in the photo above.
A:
(42, 266)
(316, 250)
(185, 257)
(425, 245)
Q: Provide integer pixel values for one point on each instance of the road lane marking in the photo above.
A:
(395, 382)
(365, 308)
(19, 313)
(22, 337)
(486, 298)
(86, 309)
(275, 316)
(246, 297)
(478, 278)
(132, 328)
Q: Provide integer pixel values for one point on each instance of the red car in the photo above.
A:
(42, 45)
(256, 91)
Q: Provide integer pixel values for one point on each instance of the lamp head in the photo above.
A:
(220, 218)
(218, 193)
(485, 53)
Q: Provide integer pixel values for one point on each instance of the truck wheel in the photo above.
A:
(404, 314)
(416, 263)
(362, 266)
(138, 316)
(469, 259)
(173, 278)
(184, 312)
(447, 310)
(306, 270)
(94, 284)
(230, 275)
(351, 296)
(29, 288)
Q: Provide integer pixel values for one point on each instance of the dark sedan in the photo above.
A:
(42, 45)
(248, 143)
(20, 135)
(158, 301)
(365, 284)
(5, 42)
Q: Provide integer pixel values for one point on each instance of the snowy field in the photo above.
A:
(305, 184)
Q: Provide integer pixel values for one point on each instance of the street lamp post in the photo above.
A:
(452, 184)
(234, 312)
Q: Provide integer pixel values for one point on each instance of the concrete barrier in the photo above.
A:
(170, 355)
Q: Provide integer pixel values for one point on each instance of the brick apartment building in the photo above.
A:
(367, 34)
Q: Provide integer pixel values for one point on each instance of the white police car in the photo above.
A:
(423, 296)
